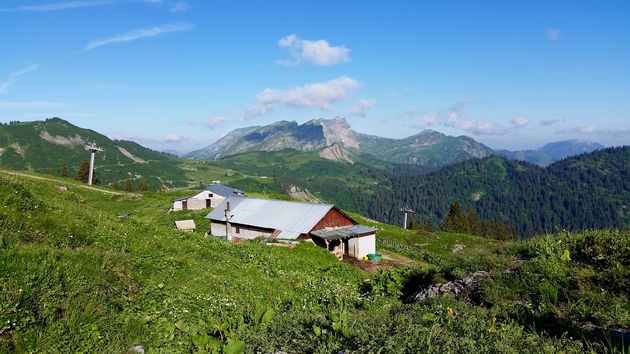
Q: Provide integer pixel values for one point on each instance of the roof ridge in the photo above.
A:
(278, 200)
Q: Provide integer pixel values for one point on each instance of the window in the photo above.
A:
(238, 229)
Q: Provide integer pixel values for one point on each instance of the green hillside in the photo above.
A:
(77, 277)
(44, 146)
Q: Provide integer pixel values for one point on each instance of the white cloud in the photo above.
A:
(428, 120)
(15, 77)
(214, 121)
(455, 119)
(139, 34)
(173, 137)
(520, 121)
(546, 122)
(318, 52)
(360, 109)
(252, 112)
(180, 6)
(319, 95)
(553, 34)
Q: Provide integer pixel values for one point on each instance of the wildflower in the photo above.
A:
(494, 319)
(450, 311)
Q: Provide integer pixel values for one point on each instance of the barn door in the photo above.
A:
(185, 205)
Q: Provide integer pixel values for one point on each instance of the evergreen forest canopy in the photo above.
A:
(582, 192)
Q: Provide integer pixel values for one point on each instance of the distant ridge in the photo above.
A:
(334, 139)
(552, 152)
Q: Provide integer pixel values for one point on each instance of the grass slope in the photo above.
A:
(75, 277)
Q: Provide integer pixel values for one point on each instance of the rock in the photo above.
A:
(458, 248)
(455, 287)
(137, 349)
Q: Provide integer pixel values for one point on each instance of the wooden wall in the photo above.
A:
(333, 218)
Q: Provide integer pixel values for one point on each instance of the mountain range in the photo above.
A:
(334, 139)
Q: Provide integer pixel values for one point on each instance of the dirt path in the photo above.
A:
(104, 191)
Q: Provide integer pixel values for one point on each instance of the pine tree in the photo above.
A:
(83, 173)
(115, 185)
(64, 169)
(128, 185)
(143, 187)
(455, 219)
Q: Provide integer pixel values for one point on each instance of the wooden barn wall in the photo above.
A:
(331, 219)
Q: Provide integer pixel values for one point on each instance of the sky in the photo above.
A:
(179, 74)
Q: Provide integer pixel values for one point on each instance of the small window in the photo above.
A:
(238, 229)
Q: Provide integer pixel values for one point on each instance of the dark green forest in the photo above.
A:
(583, 192)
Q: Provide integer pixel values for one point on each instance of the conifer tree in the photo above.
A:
(454, 220)
(115, 185)
(83, 173)
(143, 187)
(128, 185)
(64, 169)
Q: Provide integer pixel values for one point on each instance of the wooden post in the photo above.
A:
(228, 226)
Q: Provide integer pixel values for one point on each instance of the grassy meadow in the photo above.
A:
(75, 276)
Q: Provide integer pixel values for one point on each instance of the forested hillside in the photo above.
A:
(57, 147)
(582, 192)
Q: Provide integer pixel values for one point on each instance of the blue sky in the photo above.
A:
(178, 74)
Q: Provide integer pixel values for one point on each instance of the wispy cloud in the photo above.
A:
(174, 137)
(252, 112)
(175, 6)
(360, 109)
(592, 130)
(139, 34)
(15, 77)
(453, 117)
(520, 122)
(553, 34)
(426, 121)
(32, 105)
(214, 122)
(318, 52)
(546, 122)
(57, 6)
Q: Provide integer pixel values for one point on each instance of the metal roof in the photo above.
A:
(223, 190)
(343, 232)
(291, 218)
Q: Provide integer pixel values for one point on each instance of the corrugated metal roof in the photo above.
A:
(291, 218)
(343, 232)
(223, 190)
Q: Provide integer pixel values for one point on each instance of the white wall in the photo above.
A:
(218, 229)
(196, 204)
(177, 206)
(361, 246)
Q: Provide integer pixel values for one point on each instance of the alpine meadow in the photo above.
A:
(183, 176)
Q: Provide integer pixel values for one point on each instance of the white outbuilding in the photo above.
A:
(210, 197)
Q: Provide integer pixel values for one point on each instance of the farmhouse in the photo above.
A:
(325, 225)
(207, 198)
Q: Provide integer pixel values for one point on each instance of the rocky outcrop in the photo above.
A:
(454, 288)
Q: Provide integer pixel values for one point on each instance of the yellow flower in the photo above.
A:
(494, 319)
(450, 311)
